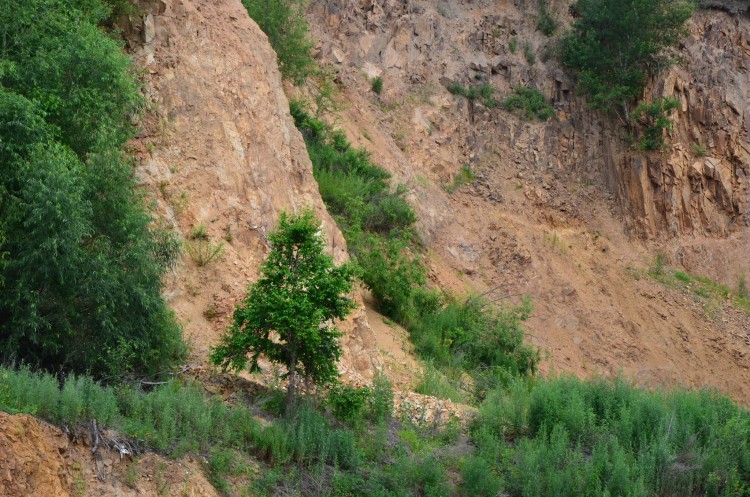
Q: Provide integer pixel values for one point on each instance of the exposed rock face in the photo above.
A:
(563, 211)
(664, 195)
(221, 151)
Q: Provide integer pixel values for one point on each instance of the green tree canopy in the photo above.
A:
(615, 43)
(287, 314)
(80, 270)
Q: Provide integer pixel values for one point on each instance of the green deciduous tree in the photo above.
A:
(288, 313)
(614, 45)
(80, 270)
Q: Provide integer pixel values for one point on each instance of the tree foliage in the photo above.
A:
(288, 313)
(654, 119)
(284, 23)
(614, 45)
(79, 270)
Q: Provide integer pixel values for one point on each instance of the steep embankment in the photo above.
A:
(564, 211)
(39, 459)
(223, 158)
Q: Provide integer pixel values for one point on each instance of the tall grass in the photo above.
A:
(568, 437)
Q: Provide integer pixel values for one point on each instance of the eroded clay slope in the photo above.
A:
(564, 211)
(221, 151)
(39, 460)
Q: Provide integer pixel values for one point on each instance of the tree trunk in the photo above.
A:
(290, 389)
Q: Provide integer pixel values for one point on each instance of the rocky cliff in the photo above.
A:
(564, 211)
(222, 157)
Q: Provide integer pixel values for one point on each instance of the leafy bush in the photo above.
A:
(654, 118)
(483, 92)
(466, 336)
(377, 85)
(545, 21)
(283, 21)
(381, 401)
(614, 45)
(473, 337)
(75, 226)
(348, 403)
(529, 103)
(529, 54)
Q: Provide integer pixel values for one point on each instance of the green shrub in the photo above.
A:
(529, 54)
(465, 176)
(513, 45)
(473, 337)
(285, 24)
(435, 383)
(203, 252)
(604, 437)
(615, 44)
(377, 85)
(529, 103)
(545, 21)
(654, 118)
(348, 403)
(381, 400)
(74, 222)
(482, 92)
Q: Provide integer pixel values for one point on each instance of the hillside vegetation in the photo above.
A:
(81, 261)
(81, 314)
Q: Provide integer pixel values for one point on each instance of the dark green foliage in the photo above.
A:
(529, 103)
(545, 21)
(654, 119)
(299, 294)
(75, 226)
(615, 44)
(348, 403)
(284, 23)
(377, 85)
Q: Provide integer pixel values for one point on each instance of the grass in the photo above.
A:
(377, 85)
(532, 438)
(713, 294)
(699, 150)
(464, 176)
(203, 251)
(529, 54)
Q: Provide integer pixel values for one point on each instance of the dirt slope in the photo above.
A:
(563, 211)
(37, 459)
